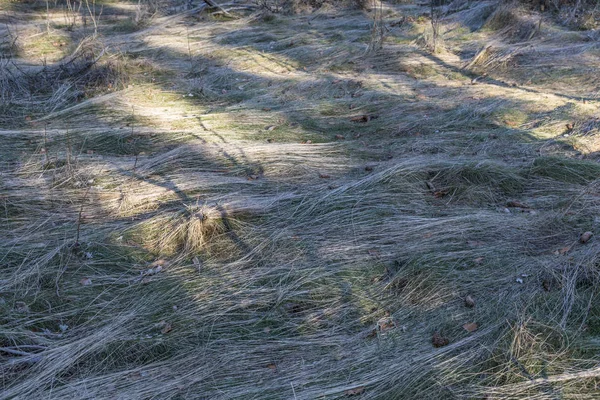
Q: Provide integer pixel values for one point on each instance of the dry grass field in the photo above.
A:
(326, 203)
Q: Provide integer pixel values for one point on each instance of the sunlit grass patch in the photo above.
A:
(49, 47)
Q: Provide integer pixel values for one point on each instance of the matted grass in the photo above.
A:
(257, 208)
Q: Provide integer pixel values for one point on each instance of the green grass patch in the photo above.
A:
(476, 182)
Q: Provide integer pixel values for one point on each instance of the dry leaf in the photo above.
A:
(166, 327)
(469, 301)
(569, 127)
(563, 250)
(340, 137)
(272, 367)
(547, 285)
(470, 327)
(267, 109)
(585, 237)
(85, 282)
(253, 177)
(440, 193)
(438, 340)
(478, 260)
(355, 391)
(324, 176)
(386, 325)
(363, 118)
(516, 204)
(160, 262)
(372, 334)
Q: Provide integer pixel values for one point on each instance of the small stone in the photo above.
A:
(85, 282)
(469, 301)
(585, 237)
(470, 327)
(21, 307)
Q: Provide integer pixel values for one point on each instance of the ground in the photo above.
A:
(275, 206)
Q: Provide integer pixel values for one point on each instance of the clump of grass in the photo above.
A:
(127, 25)
(50, 47)
(30, 94)
(528, 350)
(513, 22)
(476, 182)
(189, 231)
(512, 118)
(566, 170)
